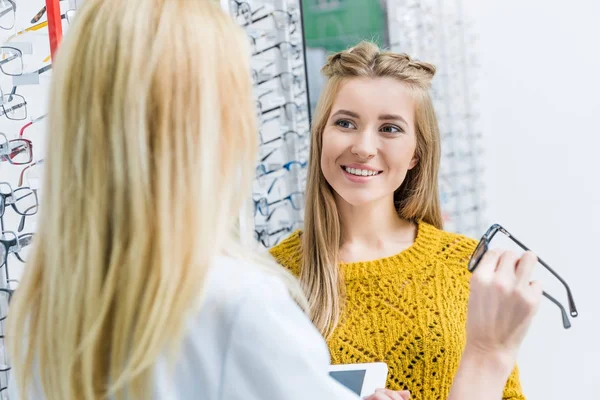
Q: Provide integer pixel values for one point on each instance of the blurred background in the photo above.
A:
(538, 87)
(516, 93)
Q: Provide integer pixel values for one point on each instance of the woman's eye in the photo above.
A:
(391, 129)
(344, 123)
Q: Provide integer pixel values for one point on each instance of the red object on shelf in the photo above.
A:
(54, 24)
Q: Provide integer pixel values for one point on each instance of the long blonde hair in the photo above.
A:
(152, 138)
(416, 199)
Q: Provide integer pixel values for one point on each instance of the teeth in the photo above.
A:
(360, 172)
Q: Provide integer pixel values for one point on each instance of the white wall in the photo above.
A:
(540, 100)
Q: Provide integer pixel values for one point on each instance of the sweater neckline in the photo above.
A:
(416, 253)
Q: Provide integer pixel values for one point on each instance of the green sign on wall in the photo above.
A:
(335, 25)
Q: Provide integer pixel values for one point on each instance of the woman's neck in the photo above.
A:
(376, 225)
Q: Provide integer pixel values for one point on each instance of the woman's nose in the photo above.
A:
(365, 145)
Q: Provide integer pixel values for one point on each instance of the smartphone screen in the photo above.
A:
(353, 380)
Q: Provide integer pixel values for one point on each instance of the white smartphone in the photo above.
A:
(362, 379)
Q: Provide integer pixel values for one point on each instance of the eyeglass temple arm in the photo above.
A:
(3, 13)
(27, 125)
(9, 59)
(572, 307)
(39, 15)
(565, 317)
(21, 224)
(12, 108)
(24, 216)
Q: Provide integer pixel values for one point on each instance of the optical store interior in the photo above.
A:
(396, 148)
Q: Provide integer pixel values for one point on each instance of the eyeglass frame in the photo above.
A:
(247, 11)
(22, 176)
(37, 27)
(11, 154)
(10, 245)
(19, 105)
(258, 73)
(295, 51)
(18, 55)
(13, 92)
(14, 11)
(289, 115)
(30, 123)
(291, 23)
(284, 135)
(261, 169)
(13, 200)
(261, 234)
(296, 79)
(485, 241)
(262, 205)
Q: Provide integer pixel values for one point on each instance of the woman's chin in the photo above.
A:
(358, 199)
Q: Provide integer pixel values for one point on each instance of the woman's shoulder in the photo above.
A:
(245, 314)
(233, 284)
(288, 252)
(452, 248)
(230, 280)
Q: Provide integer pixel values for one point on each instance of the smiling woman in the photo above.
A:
(384, 282)
(366, 121)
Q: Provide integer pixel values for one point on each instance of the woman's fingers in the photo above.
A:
(487, 266)
(387, 394)
(502, 302)
(506, 267)
(405, 394)
(378, 395)
(525, 269)
(395, 395)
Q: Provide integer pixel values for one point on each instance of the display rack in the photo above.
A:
(27, 47)
(275, 32)
(436, 31)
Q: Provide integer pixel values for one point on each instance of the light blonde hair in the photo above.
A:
(152, 139)
(417, 199)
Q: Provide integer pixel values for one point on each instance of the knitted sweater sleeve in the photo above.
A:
(513, 390)
(461, 248)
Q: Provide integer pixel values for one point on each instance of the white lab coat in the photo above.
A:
(249, 341)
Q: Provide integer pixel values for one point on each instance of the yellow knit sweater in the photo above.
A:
(408, 310)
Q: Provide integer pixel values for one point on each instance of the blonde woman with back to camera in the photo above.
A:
(384, 282)
(138, 287)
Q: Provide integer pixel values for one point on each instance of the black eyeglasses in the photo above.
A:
(266, 209)
(289, 108)
(266, 238)
(259, 74)
(281, 19)
(287, 50)
(23, 200)
(243, 12)
(287, 136)
(483, 247)
(17, 245)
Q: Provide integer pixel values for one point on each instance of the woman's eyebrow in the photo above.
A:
(346, 112)
(392, 117)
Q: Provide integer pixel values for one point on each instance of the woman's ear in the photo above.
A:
(413, 162)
